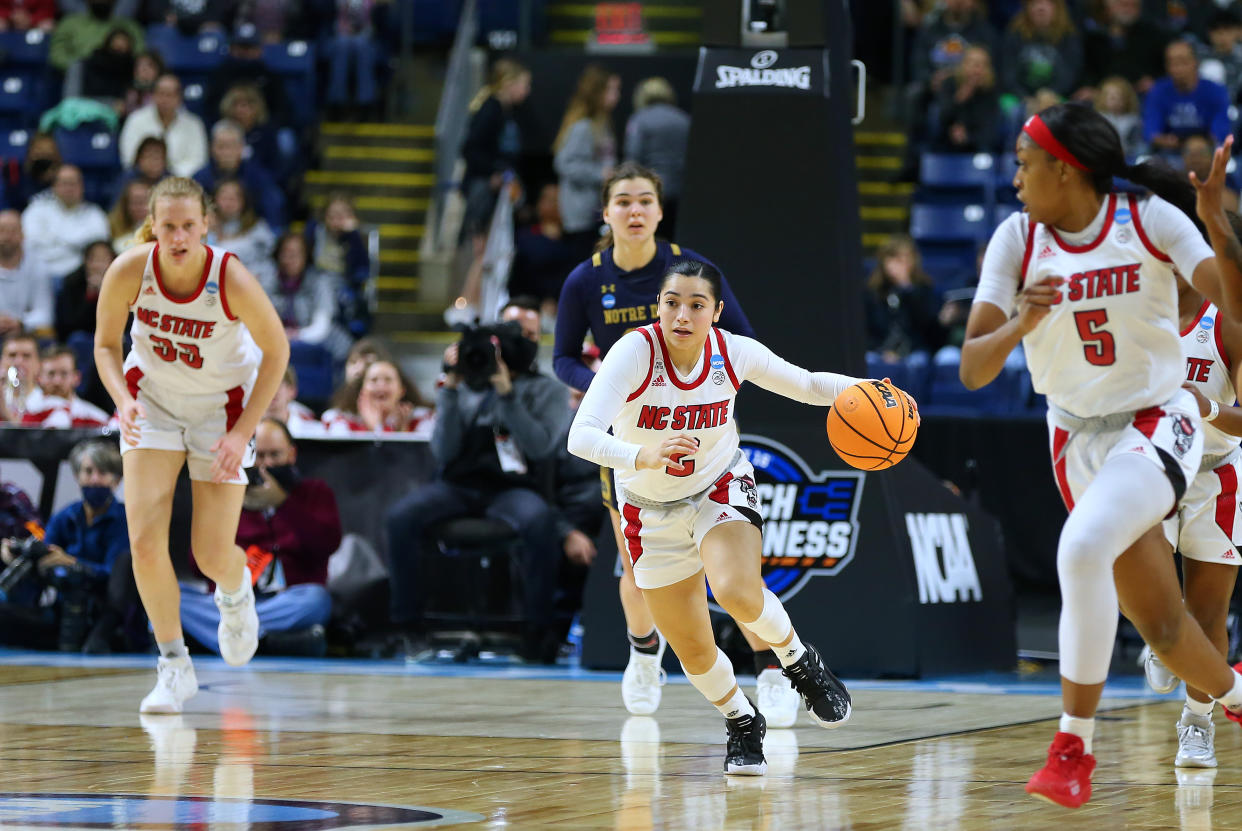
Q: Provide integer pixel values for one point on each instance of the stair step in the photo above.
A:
(372, 130)
(389, 230)
(358, 178)
(377, 203)
(396, 255)
(378, 153)
(396, 283)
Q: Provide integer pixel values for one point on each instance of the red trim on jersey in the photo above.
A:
(1108, 223)
(1060, 438)
(632, 532)
(724, 353)
(650, 366)
(1026, 255)
(224, 267)
(1145, 421)
(201, 282)
(1227, 499)
(1202, 311)
(1220, 344)
(132, 377)
(720, 493)
(1138, 226)
(671, 371)
(233, 407)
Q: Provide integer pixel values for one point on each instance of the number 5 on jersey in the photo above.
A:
(1098, 346)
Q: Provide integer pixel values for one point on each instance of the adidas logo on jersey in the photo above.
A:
(1228, 555)
(659, 381)
(148, 290)
(1047, 252)
(723, 516)
(1138, 449)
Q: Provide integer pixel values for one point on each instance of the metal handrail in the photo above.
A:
(453, 115)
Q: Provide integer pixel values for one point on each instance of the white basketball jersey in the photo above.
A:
(1111, 344)
(192, 344)
(700, 406)
(1207, 367)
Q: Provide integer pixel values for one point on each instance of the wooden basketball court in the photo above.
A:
(288, 744)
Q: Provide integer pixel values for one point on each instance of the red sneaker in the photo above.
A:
(1066, 778)
(1230, 714)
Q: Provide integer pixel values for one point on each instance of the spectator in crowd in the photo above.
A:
(148, 67)
(25, 284)
(1042, 50)
(493, 145)
(1197, 152)
(88, 558)
(1184, 104)
(19, 362)
(191, 17)
(79, 34)
(235, 228)
(1116, 101)
(489, 444)
(23, 622)
(34, 175)
(656, 136)
(79, 293)
(1220, 58)
(185, 137)
(1124, 44)
(244, 66)
(338, 248)
(351, 48)
(128, 213)
(151, 164)
(305, 297)
(109, 70)
(228, 145)
(58, 223)
(586, 152)
(362, 354)
(381, 400)
(900, 302)
(541, 257)
(59, 405)
(24, 15)
(243, 104)
(285, 408)
(941, 44)
(969, 108)
(289, 527)
(955, 312)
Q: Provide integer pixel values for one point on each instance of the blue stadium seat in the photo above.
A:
(13, 144)
(83, 346)
(315, 370)
(94, 150)
(19, 99)
(957, 177)
(1003, 395)
(295, 63)
(1004, 170)
(970, 223)
(183, 54)
(25, 49)
(192, 92)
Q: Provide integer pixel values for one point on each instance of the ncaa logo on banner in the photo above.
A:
(810, 520)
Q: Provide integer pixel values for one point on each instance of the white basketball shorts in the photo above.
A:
(1207, 526)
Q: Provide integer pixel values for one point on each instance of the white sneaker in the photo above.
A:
(174, 684)
(239, 626)
(642, 680)
(1196, 741)
(778, 701)
(1158, 676)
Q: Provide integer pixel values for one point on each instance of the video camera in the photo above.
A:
(476, 356)
(27, 553)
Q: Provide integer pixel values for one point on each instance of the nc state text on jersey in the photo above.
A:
(685, 417)
(181, 326)
(1101, 282)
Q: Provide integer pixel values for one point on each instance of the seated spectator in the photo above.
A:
(381, 400)
(969, 107)
(656, 136)
(228, 143)
(191, 17)
(19, 362)
(34, 175)
(338, 247)
(128, 213)
(148, 67)
(305, 298)
(60, 407)
(1125, 44)
(109, 71)
(235, 228)
(1184, 104)
(1042, 50)
(243, 105)
(285, 408)
(244, 66)
(79, 34)
(351, 49)
(900, 302)
(541, 257)
(24, 15)
(289, 528)
(1197, 154)
(185, 137)
(1220, 59)
(1116, 101)
(151, 164)
(362, 354)
(58, 223)
(87, 561)
(488, 444)
(25, 285)
(78, 297)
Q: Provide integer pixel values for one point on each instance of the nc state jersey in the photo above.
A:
(1207, 367)
(1111, 343)
(192, 344)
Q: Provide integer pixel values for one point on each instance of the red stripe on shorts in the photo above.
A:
(1059, 439)
(720, 493)
(131, 380)
(1145, 421)
(233, 407)
(1227, 501)
(633, 528)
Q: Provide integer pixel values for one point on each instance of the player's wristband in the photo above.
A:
(1213, 411)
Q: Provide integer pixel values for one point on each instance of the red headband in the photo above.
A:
(1041, 135)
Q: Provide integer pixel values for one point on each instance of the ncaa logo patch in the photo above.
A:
(717, 361)
(1206, 322)
(212, 287)
(609, 300)
(1121, 216)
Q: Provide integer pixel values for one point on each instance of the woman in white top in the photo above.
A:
(688, 496)
(1084, 279)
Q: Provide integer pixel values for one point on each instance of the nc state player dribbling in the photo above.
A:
(208, 353)
(1090, 275)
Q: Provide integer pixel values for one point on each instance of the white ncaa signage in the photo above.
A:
(943, 561)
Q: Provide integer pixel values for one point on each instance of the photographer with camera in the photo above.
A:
(84, 555)
(498, 419)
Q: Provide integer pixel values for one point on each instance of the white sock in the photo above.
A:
(1199, 708)
(791, 652)
(1233, 698)
(173, 649)
(234, 598)
(737, 705)
(1083, 728)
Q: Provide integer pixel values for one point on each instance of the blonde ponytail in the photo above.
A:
(503, 71)
(171, 187)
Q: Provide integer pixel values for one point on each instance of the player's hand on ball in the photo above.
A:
(128, 414)
(1036, 300)
(1205, 406)
(914, 405)
(229, 449)
(653, 458)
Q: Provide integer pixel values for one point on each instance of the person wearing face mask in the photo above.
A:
(289, 528)
(79, 34)
(22, 182)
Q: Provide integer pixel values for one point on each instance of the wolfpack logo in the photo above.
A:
(1183, 435)
(938, 539)
(810, 520)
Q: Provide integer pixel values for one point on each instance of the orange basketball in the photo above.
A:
(872, 425)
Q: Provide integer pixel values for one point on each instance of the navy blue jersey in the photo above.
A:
(600, 297)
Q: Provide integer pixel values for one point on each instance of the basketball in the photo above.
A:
(872, 425)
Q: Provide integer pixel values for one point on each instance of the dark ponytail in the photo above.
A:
(696, 268)
(626, 170)
(1094, 141)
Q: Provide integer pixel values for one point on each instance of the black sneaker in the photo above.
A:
(824, 696)
(744, 751)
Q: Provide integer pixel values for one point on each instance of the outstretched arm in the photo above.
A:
(760, 365)
(1220, 277)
